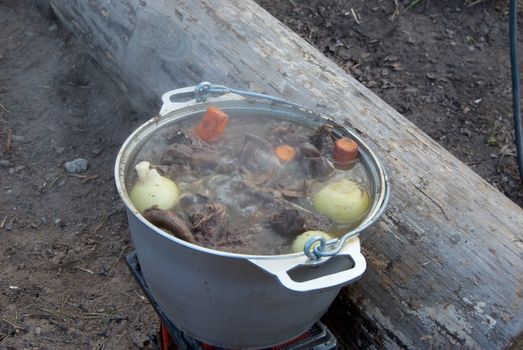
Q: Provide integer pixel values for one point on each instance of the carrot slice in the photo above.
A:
(285, 153)
(345, 150)
(212, 125)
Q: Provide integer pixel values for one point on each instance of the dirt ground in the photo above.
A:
(64, 284)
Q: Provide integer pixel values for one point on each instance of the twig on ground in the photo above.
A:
(64, 300)
(3, 222)
(54, 182)
(396, 12)
(84, 270)
(426, 5)
(117, 259)
(84, 178)
(412, 4)
(89, 178)
(78, 85)
(62, 318)
(104, 220)
(474, 3)
(355, 15)
(5, 108)
(9, 142)
(12, 324)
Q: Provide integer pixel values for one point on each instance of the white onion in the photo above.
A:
(343, 201)
(152, 189)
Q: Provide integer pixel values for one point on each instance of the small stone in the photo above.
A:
(76, 166)
(38, 330)
(53, 27)
(19, 138)
(9, 225)
(57, 221)
(11, 171)
(19, 168)
(59, 150)
(4, 163)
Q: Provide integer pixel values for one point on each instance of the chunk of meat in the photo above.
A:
(318, 167)
(205, 160)
(177, 154)
(169, 221)
(207, 221)
(187, 138)
(286, 133)
(292, 222)
(182, 154)
(258, 156)
(307, 149)
(323, 139)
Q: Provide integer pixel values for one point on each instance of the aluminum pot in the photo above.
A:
(237, 300)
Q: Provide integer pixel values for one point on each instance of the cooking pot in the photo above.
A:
(237, 300)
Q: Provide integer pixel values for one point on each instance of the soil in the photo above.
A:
(63, 239)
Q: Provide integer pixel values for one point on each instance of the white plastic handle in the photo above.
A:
(281, 267)
(189, 93)
(169, 106)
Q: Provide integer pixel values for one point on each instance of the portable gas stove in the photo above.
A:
(318, 337)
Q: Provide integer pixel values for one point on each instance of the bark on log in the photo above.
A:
(445, 265)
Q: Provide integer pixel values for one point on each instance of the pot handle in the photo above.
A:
(200, 93)
(281, 267)
(186, 93)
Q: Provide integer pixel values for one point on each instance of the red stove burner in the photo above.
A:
(318, 337)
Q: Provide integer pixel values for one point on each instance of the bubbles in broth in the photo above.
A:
(249, 185)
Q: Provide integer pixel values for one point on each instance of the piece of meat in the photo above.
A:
(288, 222)
(318, 167)
(208, 221)
(292, 222)
(264, 193)
(182, 154)
(292, 187)
(177, 154)
(307, 149)
(205, 160)
(323, 139)
(286, 133)
(168, 220)
(257, 156)
(187, 138)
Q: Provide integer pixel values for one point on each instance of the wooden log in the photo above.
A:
(445, 265)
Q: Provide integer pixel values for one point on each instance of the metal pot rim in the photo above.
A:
(147, 128)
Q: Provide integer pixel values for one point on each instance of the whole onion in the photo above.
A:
(343, 201)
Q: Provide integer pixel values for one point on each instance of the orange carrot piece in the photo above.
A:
(212, 125)
(285, 153)
(345, 150)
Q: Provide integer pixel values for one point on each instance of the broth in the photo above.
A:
(236, 194)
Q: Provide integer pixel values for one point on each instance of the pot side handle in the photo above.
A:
(186, 93)
(281, 267)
